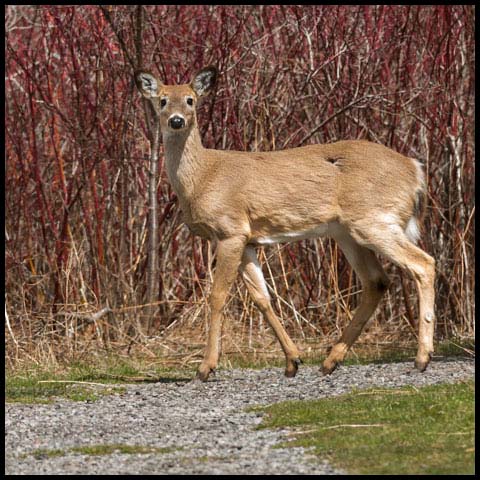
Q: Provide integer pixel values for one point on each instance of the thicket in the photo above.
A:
(78, 157)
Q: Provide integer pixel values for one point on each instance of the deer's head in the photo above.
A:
(175, 104)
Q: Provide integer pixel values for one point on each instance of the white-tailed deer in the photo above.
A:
(364, 195)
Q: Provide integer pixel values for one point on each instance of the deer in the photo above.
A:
(367, 197)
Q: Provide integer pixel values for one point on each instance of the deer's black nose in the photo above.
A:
(176, 122)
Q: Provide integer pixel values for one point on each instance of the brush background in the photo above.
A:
(77, 156)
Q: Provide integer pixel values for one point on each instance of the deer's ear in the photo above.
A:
(204, 81)
(147, 84)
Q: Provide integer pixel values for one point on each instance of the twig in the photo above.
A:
(74, 381)
(393, 392)
(354, 425)
(87, 316)
(9, 326)
(301, 432)
(470, 352)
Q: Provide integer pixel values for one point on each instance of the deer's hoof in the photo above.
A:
(204, 373)
(422, 361)
(292, 367)
(329, 367)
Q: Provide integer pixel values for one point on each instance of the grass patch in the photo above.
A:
(101, 450)
(210, 458)
(401, 431)
(45, 453)
(45, 387)
(120, 448)
(29, 391)
(83, 382)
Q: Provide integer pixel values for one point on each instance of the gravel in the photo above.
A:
(204, 425)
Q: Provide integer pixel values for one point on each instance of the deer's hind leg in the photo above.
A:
(255, 282)
(394, 244)
(374, 282)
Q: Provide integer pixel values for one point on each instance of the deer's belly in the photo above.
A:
(291, 236)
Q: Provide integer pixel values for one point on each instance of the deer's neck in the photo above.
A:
(183, 151)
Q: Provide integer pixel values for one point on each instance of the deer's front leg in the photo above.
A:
(255, 282)
(229, 255)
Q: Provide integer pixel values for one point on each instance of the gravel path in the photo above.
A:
(204, 424)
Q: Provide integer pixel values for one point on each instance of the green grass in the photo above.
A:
(81, 381)
(101, 450)
(120, 448)
(402, 431)
(36, 385)
(45, 453)
(43, 389)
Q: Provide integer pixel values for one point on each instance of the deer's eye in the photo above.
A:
(163, 102)
(189, 101)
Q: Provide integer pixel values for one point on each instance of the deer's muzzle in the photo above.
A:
(176, 122)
